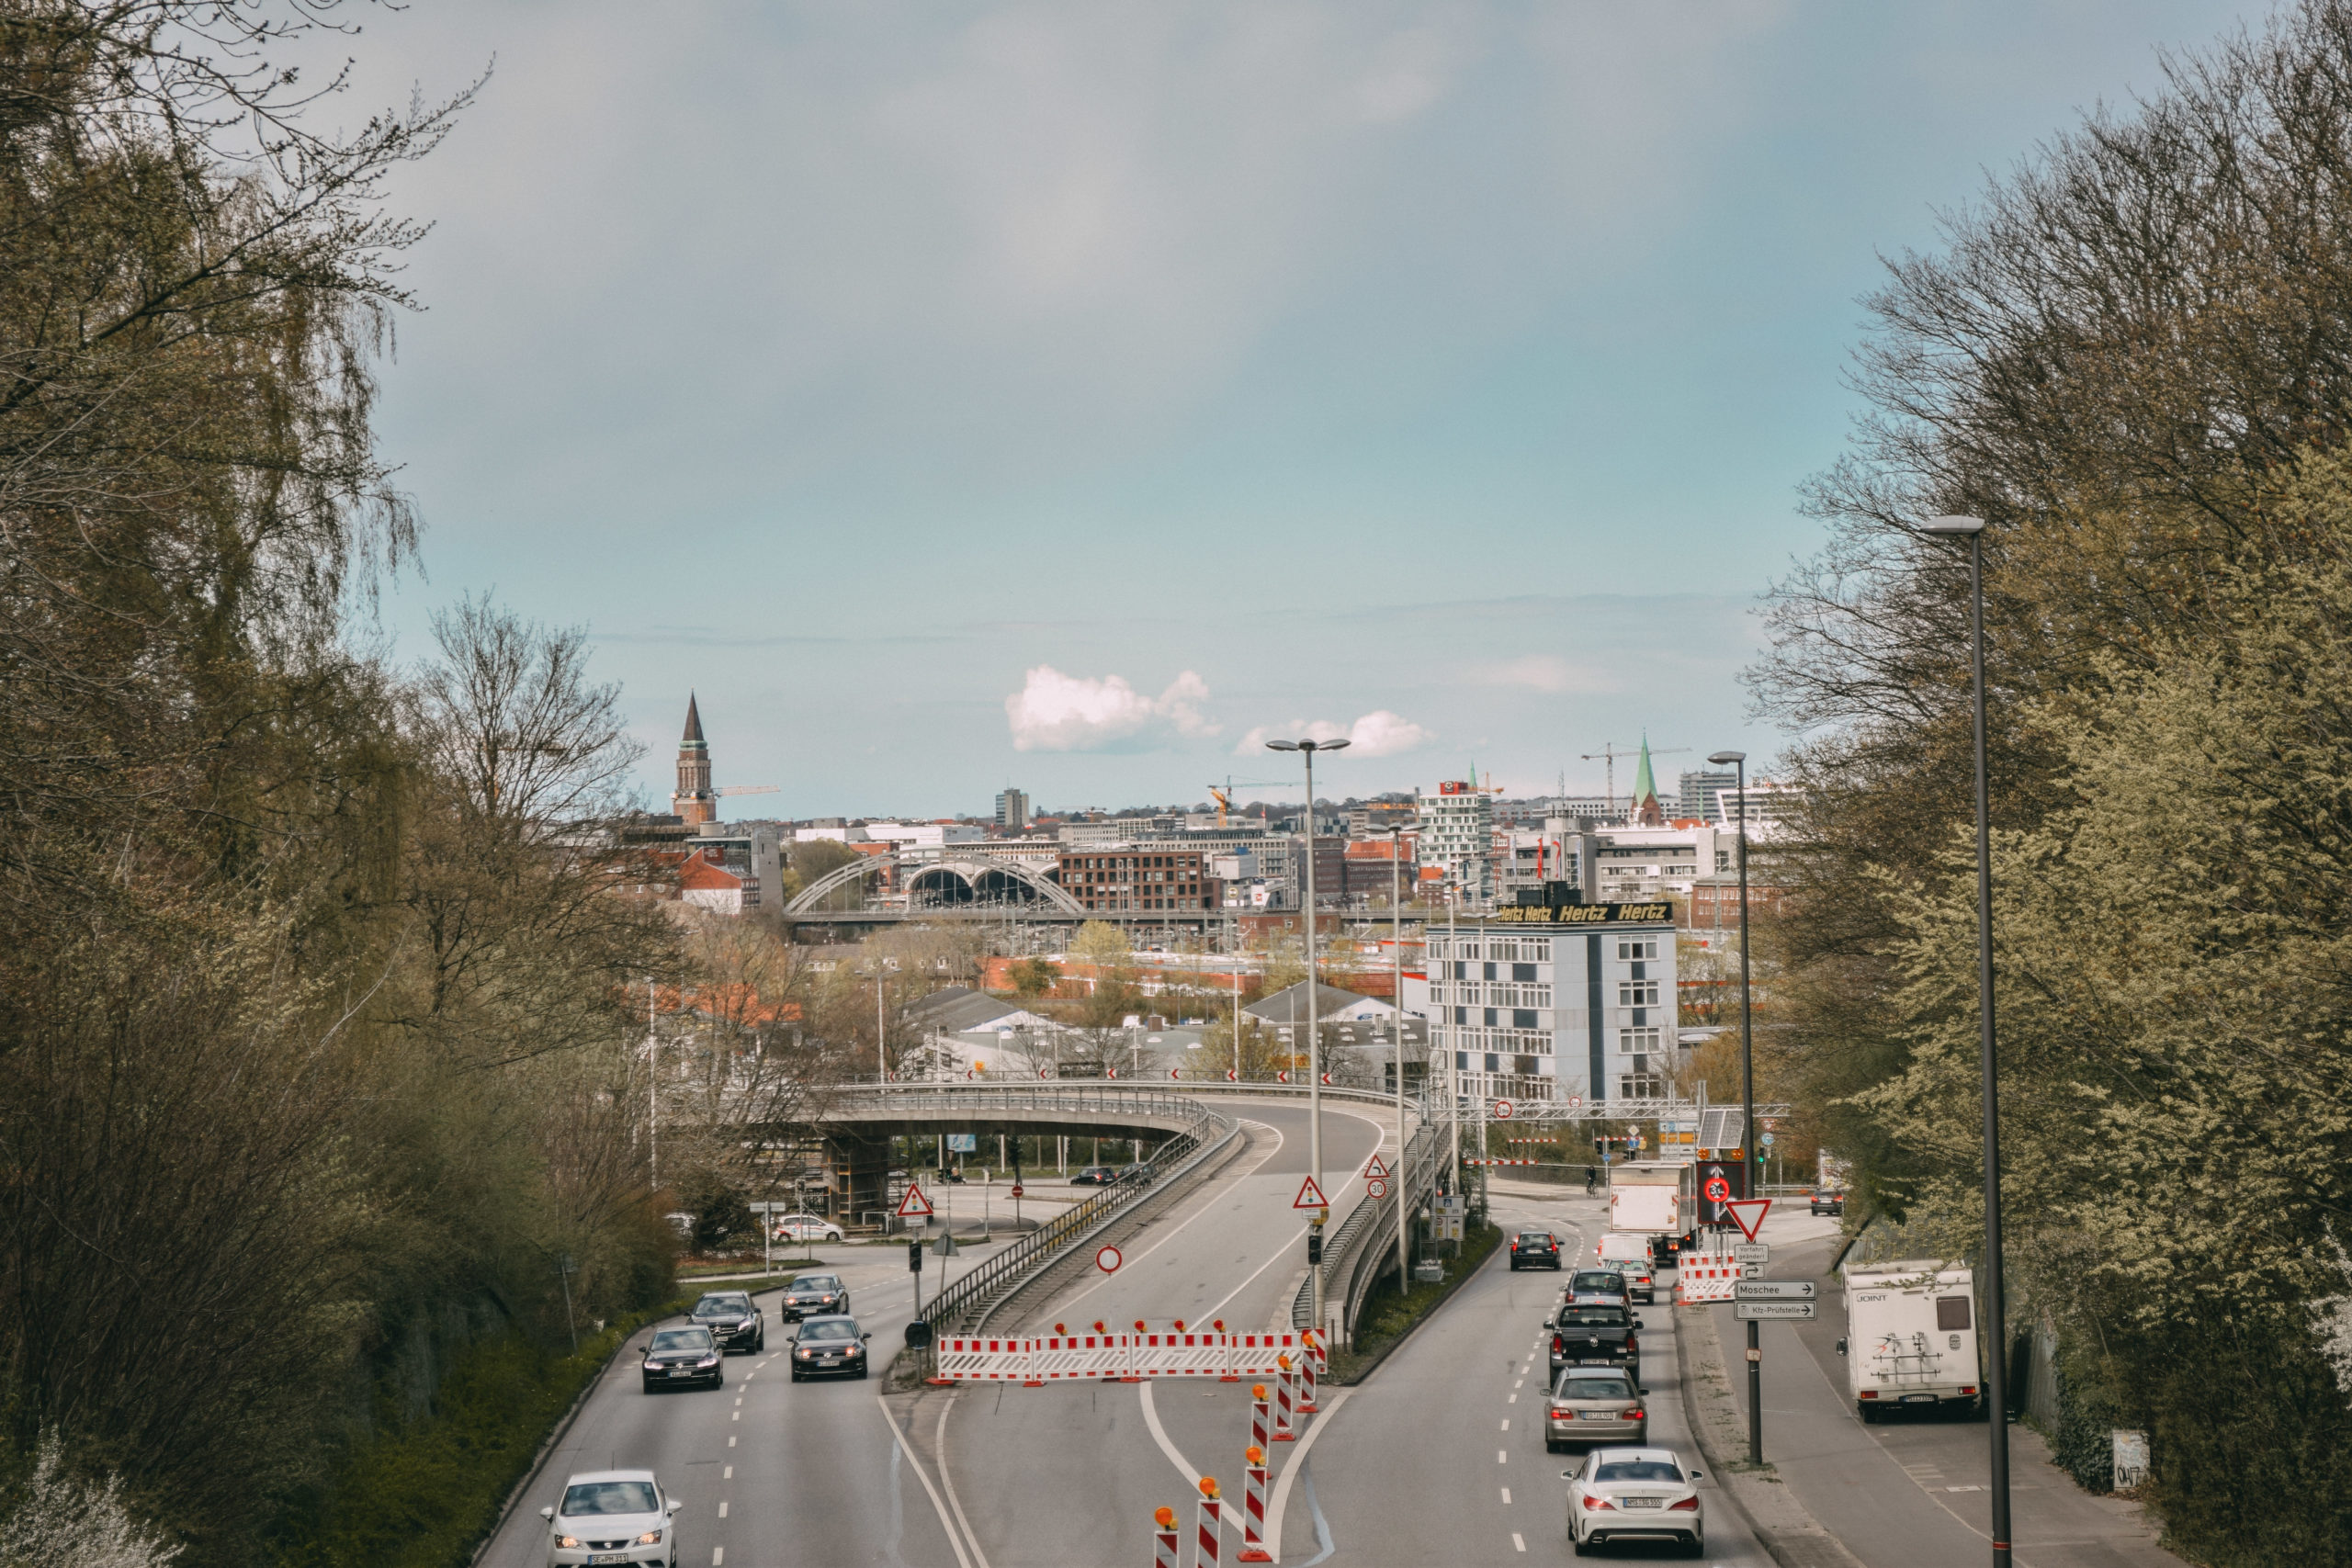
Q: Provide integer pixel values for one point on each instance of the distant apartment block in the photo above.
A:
(1457, 835)
(1011, 811)
(1137, 879)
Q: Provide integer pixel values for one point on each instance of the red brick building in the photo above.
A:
(1124, 879)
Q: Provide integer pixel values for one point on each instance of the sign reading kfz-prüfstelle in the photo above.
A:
(1657, 912)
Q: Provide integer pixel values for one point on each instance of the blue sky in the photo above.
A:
(1069, 395)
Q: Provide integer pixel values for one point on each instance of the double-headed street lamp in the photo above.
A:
(1752, 1163)
(1996, 1379)
(1314, 1045)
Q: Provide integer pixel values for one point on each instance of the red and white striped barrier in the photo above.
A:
(1259, 1436)
(984, 1359)
(1205, 1540)
(1102, 1356)
(1259, 1355)
(1312, 1353)
(1253, 1509)
(1510, 1162)
(1167, 1546)
(1706, 1276)
(1283, 1431)
(1176, 1355)
(1077, 1357)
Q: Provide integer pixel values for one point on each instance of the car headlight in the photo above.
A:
(708, 1362)
(650, 1537)
(567, 1541)
(804, 1354)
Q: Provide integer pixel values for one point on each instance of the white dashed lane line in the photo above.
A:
(1516, 1544)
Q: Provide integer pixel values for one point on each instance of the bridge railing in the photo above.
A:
(1206, 1133)
(1355, 1254)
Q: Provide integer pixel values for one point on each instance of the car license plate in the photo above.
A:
(1918, 1399)
(675, 1373)
(608, 1557)
(1597, 1416)
(1639, 1502)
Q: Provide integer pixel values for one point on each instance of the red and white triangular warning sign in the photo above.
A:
(1748, 1213)
(914, 1205)
(1374, 1170)
(1309, 1196)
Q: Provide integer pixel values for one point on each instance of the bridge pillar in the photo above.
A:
(862, 1164)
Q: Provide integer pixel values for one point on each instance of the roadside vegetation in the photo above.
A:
(2129, 355)
(1389, 1314)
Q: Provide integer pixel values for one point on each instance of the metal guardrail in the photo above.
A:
(1354, 1254)
(1069, 1096)
(978, 1291)
(1429, 1107)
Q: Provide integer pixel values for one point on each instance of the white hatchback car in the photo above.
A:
(1625, 1494)
(807, 1227)
(612, 1516)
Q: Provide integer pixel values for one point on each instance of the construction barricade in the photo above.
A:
(983, 1359)
(1063, 1357)
(1706, 1276)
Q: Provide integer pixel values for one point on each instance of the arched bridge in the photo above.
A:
(940, 881)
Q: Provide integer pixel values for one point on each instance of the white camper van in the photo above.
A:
(1910, 1337)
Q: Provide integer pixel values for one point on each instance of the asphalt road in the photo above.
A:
(776, 1472)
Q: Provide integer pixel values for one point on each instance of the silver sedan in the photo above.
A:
(1627, 1495)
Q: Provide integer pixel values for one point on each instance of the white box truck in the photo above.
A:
(1651, 1198)
(1911, 1338)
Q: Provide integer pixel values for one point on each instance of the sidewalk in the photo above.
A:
(1908, 1492)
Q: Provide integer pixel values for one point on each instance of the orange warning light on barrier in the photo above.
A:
(1282, 1361)
(1098, 1328)
(1219, 1325)
(1254, 1454)
(1061, 1332)
(1139, 1328)
(1179, 1325)
(1208, 1485)
(1164, 1518)
(1257, 1391)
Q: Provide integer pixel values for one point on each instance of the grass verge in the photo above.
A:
(1389, 1317)
(424, 1494)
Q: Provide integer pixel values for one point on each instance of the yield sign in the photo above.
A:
(914, 1205)
(1748, 1213)
(1310, 1196)
(1374, 1170)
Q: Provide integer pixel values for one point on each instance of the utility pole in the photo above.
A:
(1397, 994)
(652, 1091)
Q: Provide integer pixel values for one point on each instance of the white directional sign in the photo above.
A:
(1753, 1310)
(1752, 1252)
(1774, 1290)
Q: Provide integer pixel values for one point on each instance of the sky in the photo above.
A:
(1072, 396)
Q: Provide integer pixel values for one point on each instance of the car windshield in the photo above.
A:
(815, 1283)
(1543, 1236)
(839, 1329)
(1598, 1283)
(607, 1498)
(715, 1306)
(1593, 1317)
(1595, 1388)
(1640, 1470)
(681, 1340)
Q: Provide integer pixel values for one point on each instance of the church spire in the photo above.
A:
(1646, 811)
(695, 802)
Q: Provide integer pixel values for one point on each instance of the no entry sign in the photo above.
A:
(1108, 1259)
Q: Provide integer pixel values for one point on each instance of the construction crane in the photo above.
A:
(746, 789)
(1224, 797)
(1608, 755)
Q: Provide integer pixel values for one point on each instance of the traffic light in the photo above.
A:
(914, 1255)
(1314, 1246)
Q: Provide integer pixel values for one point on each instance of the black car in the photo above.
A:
(1829, 1202)
(827, 1345)
(1536, 1250)
(1590, 1333)
(1140, 1171)
(812, 1296)
(1095, 1176)
(733, 1320)
(684, 1357)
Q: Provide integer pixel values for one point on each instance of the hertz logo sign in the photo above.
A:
(1656, 912)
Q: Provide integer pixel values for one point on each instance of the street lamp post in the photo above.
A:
(1996, 1378)
(1752, 1168)
(1314, 1044)
(1397, 995)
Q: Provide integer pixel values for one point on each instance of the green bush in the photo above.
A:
(424, 1494)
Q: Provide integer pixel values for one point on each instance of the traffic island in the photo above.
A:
(1389, 1317)
(1785, 1526)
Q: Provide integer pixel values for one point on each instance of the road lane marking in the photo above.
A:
(1159, 1435)
(1505, 1494)
(1516, 1544)
(1520, 1383)
(946, 1525)
(1290, 1470)
(1503, 1456)
(727, 1474)
(717, 1556)
(1064, 1304)
(1513, 1399)
(722, 1507)
(1505, 1425)
(730, 1442)
(736, 1416)
(947, 1479)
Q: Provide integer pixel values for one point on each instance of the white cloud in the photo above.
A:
(1054, 712)
(1542, 672)
(1377, 734)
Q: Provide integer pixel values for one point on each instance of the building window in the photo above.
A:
(1637, 1041)
(1640, 1085)
(1634, 951)
(1638, 993)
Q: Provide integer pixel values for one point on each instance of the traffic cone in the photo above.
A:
(1283, 1433)
(1165, 1543)
(1258, 1437)
(1207, 1541)
(1253, 1510)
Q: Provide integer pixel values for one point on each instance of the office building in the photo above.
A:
(1546, 1003)
(1457, 835)
(1011, 811)
(1138, 878)
(1698, 794)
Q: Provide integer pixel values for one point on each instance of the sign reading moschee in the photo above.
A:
(1652, 913)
